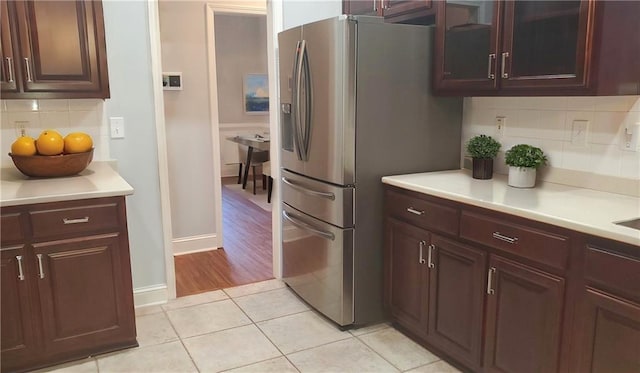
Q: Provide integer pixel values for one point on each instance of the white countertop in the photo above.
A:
(583, 210)
(99, 179)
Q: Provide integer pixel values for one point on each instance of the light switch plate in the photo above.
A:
(117, 127)
(579, 132)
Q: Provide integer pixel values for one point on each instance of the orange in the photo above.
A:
(77, 142)
(50, 142)
(24, 145)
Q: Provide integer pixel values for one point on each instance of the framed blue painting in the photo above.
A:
(256, 94)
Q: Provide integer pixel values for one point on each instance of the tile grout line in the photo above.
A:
(181, 341)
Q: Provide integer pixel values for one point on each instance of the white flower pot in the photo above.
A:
(522, 177)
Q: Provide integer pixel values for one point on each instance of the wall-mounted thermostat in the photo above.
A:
(172, 81)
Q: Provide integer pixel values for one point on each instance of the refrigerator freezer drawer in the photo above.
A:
(327, 202)
(318, 264)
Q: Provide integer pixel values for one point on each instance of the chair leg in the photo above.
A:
(264, 182)
(239, 173)
(269, 189)
(253, 168)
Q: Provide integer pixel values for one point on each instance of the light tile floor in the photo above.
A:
(261, 327)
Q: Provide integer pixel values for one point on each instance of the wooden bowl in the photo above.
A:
(52, 165)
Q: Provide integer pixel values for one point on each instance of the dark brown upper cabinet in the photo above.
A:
(537, 48)
(393, 11)
(53, 50)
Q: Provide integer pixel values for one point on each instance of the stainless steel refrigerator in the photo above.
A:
(356, 105)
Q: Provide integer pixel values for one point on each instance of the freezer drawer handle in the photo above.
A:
(414, 211)
(309, 192)
(308, 227)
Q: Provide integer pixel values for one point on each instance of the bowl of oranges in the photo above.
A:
(52, 155)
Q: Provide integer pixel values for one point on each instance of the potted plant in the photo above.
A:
(482, 150)
(523, 161)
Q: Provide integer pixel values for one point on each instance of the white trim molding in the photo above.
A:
(161, 137)
(195, 244)
(150, 296)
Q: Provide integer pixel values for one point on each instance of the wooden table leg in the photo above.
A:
(247, 166)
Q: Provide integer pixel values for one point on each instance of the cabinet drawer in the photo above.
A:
(422, 213)
(11, 229)
(612, 271)
(83, 219)
(542, 247)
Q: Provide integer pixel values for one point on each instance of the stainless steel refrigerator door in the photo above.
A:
(330, 203)
(287, 55)
(324, 109)
(318, 264)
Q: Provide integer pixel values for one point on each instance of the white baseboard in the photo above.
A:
(150, 296)
(195, 244)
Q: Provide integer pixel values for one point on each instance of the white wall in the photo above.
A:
(546, 122)
(299, 12)
(241, 48)
(129, 61)
(187, 119)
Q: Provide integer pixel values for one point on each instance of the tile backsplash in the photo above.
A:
(64, 116)
(547, 122)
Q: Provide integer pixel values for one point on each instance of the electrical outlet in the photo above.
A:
(631, 140)
(117, 127)
(579, 132)
(501, 123)
(21, 127)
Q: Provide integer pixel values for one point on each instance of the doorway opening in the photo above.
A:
(245, 255)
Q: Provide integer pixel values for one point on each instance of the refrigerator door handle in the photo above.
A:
(309, 192)
(308, 227)
(308, 108)
(297, 81)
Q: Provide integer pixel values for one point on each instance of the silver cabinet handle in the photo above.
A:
(490, 290)
(20, 272)
(430, 256)
(504, 62)
(40, 269)
(10, 68)
(421, 258)
(414, 211)
(308, 227)
(75, 221)
(375, 5)
(309, 192)
(490, 74)
(26, 62)
(502, 237)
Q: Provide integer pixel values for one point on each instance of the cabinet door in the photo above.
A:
(18, 342)
(466, 45)
(524, 316)
(608, 334)
(8, 74)
(361, 7)
(456, 301)
(407, 275)
(62, 48)
(545, 43)
(82, 285)
(405, 10)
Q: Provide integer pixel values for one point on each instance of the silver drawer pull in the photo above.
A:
(40, 269)
(490, 290)
(20, 272)
(504, 238)
(414, 211)
(490, 73)
(309, 192)
(308, 227)
(10, 68)
(75, 221)
(421, 258)
(28, 67)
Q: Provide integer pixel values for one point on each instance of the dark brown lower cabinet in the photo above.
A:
(608, 334)
(81, 294)
(407, 290)
(524, 318)
(66, 282)
(456, 300)
(18, 341)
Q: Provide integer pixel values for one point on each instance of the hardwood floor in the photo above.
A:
(247, 253)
